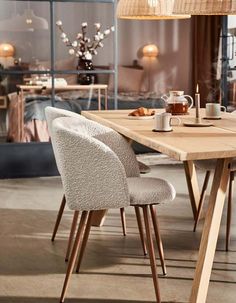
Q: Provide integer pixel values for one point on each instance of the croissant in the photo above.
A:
(142, 111)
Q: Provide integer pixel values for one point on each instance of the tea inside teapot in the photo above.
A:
(176, 102)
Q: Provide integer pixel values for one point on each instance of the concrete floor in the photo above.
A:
(32, 269)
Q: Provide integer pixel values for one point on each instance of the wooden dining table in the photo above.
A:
(188, 144)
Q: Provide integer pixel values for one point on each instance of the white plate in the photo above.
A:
(140, 117)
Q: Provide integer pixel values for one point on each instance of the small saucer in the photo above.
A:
(162, 131)
(199, 124)
(212, 118)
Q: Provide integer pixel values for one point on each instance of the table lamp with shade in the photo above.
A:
(150, 52)
(7, 52)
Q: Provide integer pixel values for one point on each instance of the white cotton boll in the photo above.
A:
(84, 24)
(74, 43)
(107, 32)
(65, 40)
(88, 40)
(63, 35)
(113, 28)
(96, 38)
(95, 52)
(97, 25)
(59, 23)
(79, 36)
(71, 51)
(88, 56)
(101, 36)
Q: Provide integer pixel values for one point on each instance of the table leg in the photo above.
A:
(210, 232)
(99, 99)
(192, 182)
(99, 217)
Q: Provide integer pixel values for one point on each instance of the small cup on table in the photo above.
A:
(213, 110)
(163, 122)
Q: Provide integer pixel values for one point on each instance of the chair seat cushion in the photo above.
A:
(144, 191)
(210, 164)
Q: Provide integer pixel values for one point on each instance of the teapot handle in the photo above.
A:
(164, 97)
(191, 100)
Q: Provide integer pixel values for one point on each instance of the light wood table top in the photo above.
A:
(188, 144)
(184, 143)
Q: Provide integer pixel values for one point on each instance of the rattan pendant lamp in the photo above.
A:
(205, 7)
(147, 10)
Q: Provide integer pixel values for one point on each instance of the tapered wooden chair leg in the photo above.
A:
(202, 198)
(59, 216)
(74, 254)
(140, 228)
(158, 238)
(85, 240)
(229, 210)
(151, 252)
(123, 221)
(72, 233)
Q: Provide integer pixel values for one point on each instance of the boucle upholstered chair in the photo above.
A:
(51, 114)
(209, 166)
(100, 182)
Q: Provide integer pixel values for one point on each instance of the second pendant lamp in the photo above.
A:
(147, 10)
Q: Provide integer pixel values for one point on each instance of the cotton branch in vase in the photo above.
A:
(83, 47)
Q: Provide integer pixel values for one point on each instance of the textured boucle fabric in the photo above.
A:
(93, 177)
(106, 135)
(144, 190)
(111, 138)
(211, 164)
(52, 113)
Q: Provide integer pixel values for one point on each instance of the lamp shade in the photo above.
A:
(147, 10)
(205, 7)
(6, 50)
(150, 51)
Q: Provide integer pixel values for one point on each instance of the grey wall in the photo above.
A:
(172, 68)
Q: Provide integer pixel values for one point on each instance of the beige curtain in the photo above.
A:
(206, 37)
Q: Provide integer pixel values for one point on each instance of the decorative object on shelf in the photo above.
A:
(150, 52)
(147, 10)
(205, 7)
(7, 52)
(85, 79)
(85, 48)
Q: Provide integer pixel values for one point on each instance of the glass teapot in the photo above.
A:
(177, 103)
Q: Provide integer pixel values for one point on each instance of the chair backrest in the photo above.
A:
(108, 136)
(93, 177)
(51, 114)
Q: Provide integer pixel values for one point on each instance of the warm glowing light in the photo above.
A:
(6, 50)
(150, 50)
(197, 89)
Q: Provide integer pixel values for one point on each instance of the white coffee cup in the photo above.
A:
(213, 110)
(163, 122)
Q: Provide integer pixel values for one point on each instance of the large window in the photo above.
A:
(39, 67)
